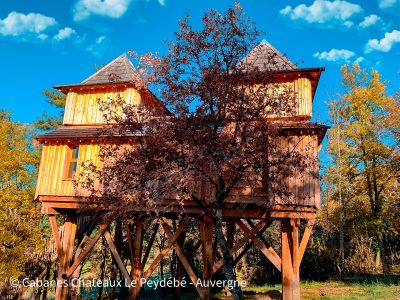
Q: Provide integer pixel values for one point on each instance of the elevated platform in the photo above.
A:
(232, 209)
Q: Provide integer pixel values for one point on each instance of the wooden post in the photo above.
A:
(290, 260)
(179, 267)
(67, 251)
(137, 268)
(206, 236)
(295, 258)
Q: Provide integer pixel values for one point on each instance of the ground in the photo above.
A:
(366, 287)
(352, 288)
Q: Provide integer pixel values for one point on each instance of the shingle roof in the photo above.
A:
(72, 132)
(86, 132)
(267, 58)
(119, 70)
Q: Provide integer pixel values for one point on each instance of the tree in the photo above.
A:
(217, 134)
(365, 155)
(47, 122)
(20, 235)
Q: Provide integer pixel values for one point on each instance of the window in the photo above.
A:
(71, 162)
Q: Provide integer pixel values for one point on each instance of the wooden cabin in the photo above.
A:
(78, 141)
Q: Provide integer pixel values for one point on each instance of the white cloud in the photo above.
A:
(348, 24)
(64, 33)
(387, 3)
(109, 8)
(369, 21)
(99, 46)
(31, 24)
(384, 44)
(335, 55)
(323, 11)
(162, 2)
(42, 36)
(359, 60)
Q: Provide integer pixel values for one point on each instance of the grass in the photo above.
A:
(369, 287)
(362, 287)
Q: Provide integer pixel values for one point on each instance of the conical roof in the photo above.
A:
(120, 69)
(267, 58)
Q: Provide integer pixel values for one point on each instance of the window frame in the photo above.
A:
(69, 161)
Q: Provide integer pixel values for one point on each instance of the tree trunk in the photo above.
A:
(385, 265)
(341, 241)
(103, 269)
(228, 259)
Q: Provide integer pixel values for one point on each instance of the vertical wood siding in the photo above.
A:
(83, 107)
(51, 170)
(298, 92)
(299, 186)
(302, 90)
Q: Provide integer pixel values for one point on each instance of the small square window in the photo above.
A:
(71, 163)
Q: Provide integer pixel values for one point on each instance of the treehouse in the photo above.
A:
(81, 137)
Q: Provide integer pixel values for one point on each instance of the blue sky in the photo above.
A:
(46, 43)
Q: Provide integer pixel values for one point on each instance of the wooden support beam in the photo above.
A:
(250, 244)
(56, 236)
(137, 258)
(304, 240)
(206, 235)
(242, 253)
(239, 244)
(184, 261)
(150, 244)
(68, 248)
(295, 259)
(167, 246)
(268, 251)
(179, 267)
(260, 233)
(287, 268)
(289, 243)
(116, 256)
(86, 250)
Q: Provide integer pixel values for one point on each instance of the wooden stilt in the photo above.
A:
(137, 258)
(290, 261)
(67, 251)
(117, 257)
(179, 267)
(206, 235)
(295, 258)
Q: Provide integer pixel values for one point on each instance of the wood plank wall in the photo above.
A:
(51, 170)
(302, 87)
(82, 107)
(301, 187)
